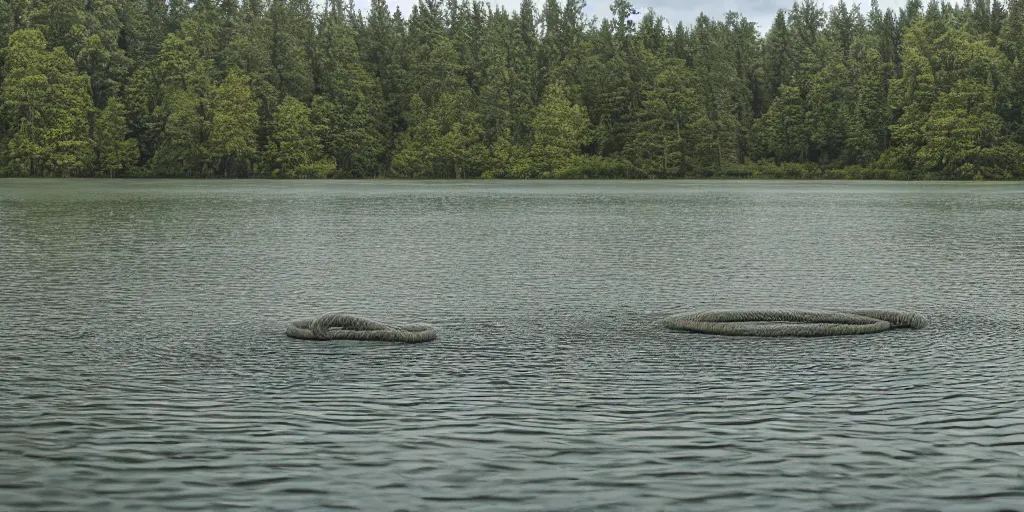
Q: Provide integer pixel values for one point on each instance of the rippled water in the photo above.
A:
(143, 362)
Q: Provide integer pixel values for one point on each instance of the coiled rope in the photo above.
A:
(793, 322)
(340, 326)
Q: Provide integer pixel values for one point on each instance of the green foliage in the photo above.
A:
(442, 142)
(101, 56)
(560, 129)
(463, 89)
(234, 124)
(294, 150)
(784, 133)
(62, 23)
(290, 27)
(664, 135)
(350, 104)
(868, 123)
(116, 154)
(965, 139)
(180, 91)
(47, 101)
(182, 150)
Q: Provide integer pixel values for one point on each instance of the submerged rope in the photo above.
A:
(340, 326)
(793, 322)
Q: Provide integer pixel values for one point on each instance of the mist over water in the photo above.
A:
(143, 361)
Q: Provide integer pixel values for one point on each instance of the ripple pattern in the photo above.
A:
(144, 365)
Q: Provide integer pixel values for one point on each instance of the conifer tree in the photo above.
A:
(867, 127)
(350, 102)
(181, 116)
(461, 89)
(46, 102)
(783, 131)
(294, 150)
(560, 129)
(291, 33)
(234, 122)
(116, 153)
(662, 140)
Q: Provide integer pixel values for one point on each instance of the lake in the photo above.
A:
(144, 363)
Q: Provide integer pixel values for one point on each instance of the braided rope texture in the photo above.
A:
(793, 322)
(341, 326)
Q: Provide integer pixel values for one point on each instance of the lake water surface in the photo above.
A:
(143, 362)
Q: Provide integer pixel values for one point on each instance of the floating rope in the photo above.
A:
(793, 322)
(339, 326)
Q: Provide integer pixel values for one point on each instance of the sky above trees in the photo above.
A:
(761, 12)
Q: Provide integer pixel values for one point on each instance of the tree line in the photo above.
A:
(463, 89)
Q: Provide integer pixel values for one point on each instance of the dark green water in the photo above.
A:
(144, 364)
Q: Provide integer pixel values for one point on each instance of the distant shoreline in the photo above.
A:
(464, 90)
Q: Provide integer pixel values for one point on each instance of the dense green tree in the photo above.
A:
(830, 102)
(183, 67)
(778, 56)
(720, 139)
(116, 153)
(291, 32)
(783, 131)
(443, 141)
(13, 17)
(463, 89)
(181, 114)
(184, 130)
(46, 102)
(295, 150)
(507, 83)
(663, 137)
(1011, 40)
(234, 122)
(560, 129)
(949, 124)
(101, 56)
(965, 138)
(867, 127)
(911, 96)
(381, 45)
(62, 23)
(350, 102)
(748, 89)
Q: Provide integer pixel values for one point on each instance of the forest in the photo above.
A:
(462, 89)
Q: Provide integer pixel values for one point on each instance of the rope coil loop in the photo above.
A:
(341, 326)
(793, 322)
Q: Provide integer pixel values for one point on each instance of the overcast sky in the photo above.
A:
(761, 12)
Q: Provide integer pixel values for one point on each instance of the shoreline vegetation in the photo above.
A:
(461, 89)
(765, 171)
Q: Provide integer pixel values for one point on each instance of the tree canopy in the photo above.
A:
(466, 89)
